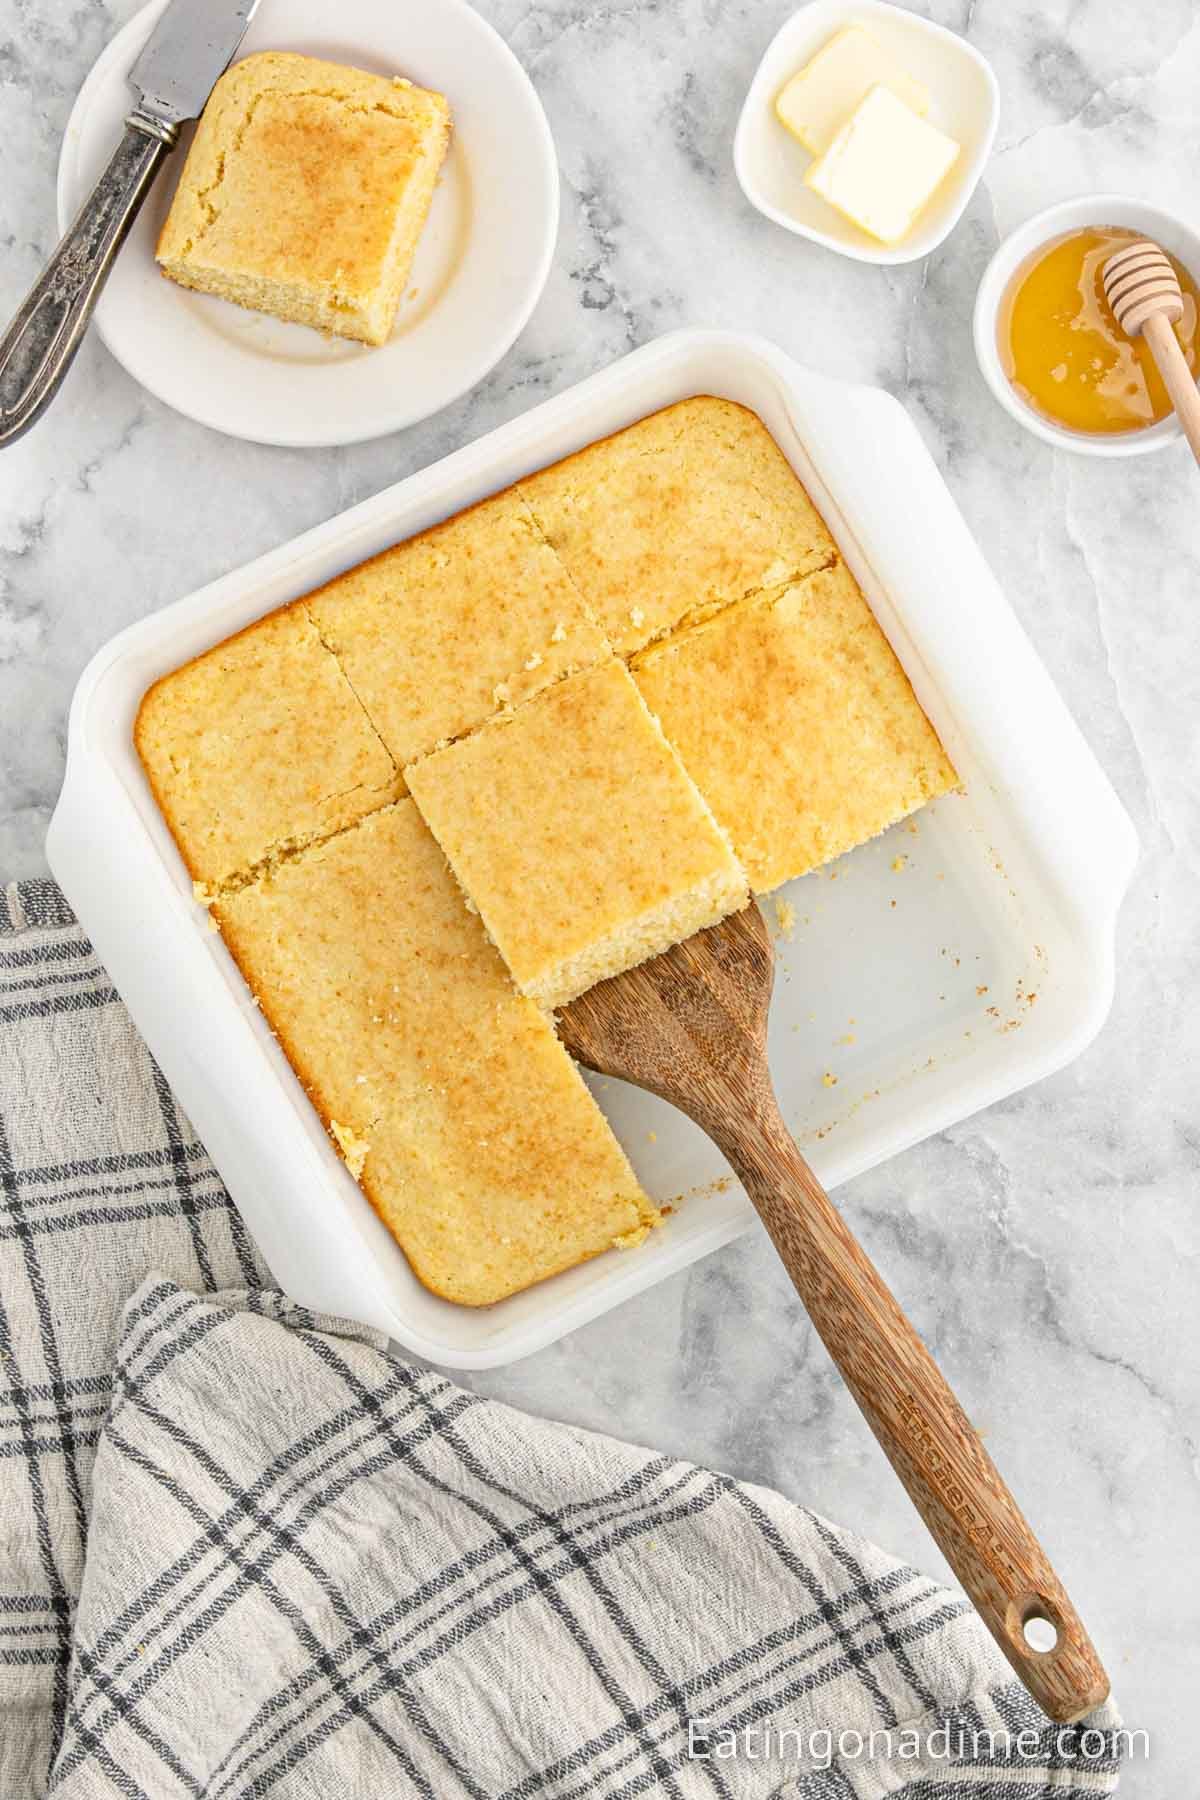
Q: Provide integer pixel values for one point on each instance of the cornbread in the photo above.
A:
(305, 191)
(574, 829)
(473, 1134)
(684, 512)
(797, 723)
(450, 627)
(259, 746)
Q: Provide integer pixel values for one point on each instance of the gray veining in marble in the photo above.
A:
(1049, 1247)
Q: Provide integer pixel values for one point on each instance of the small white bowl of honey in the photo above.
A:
(1046, 340)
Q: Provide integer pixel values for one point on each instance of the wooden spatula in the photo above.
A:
(692, 1027)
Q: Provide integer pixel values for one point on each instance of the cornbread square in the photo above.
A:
(258, 746)
(575, 830)
(469, 1127)
(452, 626)
(797, 723)
(689, 509)
(305, 191)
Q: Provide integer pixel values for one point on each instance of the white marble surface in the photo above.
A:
(1048, 1248)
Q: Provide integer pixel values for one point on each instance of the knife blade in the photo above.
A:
(180, 64)
(186, 54)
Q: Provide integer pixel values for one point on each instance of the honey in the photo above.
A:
(1064, 352)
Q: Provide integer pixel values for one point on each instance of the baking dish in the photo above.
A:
(925, 975)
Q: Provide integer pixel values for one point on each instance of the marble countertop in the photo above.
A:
(1048, 1248)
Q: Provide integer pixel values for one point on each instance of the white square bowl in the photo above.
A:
(1012, 887)
(965, 101)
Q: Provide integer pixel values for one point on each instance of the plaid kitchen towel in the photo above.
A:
(248, 1551)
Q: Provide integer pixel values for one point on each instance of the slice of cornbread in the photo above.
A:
(452, 626)
(305, 191)
(258, 746)
(466, 1123)
(687, 510)
(797, 723)
(575, 830)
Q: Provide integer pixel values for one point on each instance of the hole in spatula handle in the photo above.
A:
(1035, 1625)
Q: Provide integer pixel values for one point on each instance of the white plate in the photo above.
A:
(965, 101)
(480, 267)
(1012, 889)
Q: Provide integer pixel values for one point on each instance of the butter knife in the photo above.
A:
(189, 49)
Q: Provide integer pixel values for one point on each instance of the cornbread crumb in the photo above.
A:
(305, 191)
(899, 863)
(797, 724)
(785, 913)
(829, 1079)
(354, 1147)
(576, 831)
(629, 1240)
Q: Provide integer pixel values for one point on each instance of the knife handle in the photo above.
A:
(37, 349)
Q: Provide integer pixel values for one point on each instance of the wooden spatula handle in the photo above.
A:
(691, 1025)
(1178, 379)
(924, 1432)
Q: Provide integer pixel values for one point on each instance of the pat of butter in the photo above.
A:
(883, 166)
(820, 97)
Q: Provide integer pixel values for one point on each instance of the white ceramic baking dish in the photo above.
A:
(928, 974)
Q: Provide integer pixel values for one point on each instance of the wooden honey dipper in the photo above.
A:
(1144, 293)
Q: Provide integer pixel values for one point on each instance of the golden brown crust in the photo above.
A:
(576, 831)
(797, 723)
(686, 511)
(444, 630)
(259, 746)
(487, 1158)
(305, 190)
